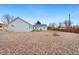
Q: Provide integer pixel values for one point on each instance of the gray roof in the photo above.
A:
(40, 25)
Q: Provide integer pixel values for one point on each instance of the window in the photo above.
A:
(12, 25)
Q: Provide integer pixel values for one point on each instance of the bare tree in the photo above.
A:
(60, 25)
(67, 23)
(52, 25)
(7, 18)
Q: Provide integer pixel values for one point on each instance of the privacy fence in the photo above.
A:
(73, 30)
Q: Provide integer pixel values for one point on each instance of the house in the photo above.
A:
(40, 27)
(19, 25)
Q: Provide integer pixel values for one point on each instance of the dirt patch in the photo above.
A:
(39, 43)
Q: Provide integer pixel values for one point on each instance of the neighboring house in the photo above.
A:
(19, 25)
(40, 27)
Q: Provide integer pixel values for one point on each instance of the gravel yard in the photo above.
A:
(39, 43)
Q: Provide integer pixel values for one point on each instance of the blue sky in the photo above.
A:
(46, 13)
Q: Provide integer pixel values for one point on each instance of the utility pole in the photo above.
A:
(69, 21)
(69, 16)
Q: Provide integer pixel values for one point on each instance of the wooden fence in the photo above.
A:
(73, 30)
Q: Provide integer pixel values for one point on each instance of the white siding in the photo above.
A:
(20, 26)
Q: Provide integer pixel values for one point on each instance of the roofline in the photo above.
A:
(19, 18)
(40, 24)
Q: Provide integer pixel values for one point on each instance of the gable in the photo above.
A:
(18, 19)
(19, 25)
